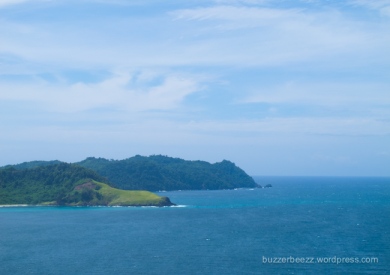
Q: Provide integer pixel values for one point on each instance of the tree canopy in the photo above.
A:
(41, 183)
(159, 172)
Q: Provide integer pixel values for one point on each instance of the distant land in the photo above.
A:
(162, 173)
(66, 184)
(99, 181)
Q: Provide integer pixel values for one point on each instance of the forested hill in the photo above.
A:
(66, 184)
(158, 172)
(153, 173)
(42, 183)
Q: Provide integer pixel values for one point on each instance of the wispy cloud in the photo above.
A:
(250, 129)
(383, 6)
(11, 2)
(6, 3)
(201, 36)
(119, 92)
(268, 36)
(328, 94)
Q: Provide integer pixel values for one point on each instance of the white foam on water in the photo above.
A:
(14, 205)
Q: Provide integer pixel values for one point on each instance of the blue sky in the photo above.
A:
(278, 87)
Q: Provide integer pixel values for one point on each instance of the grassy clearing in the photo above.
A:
(130, 198)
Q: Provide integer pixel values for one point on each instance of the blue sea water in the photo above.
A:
(211, 232)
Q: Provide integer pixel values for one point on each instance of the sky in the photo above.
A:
(279, 87)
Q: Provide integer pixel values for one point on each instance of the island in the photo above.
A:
(128, 182)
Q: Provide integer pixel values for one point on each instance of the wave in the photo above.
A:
(179, 206)
(14, 205)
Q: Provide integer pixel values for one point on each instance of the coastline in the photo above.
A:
(15, 205)
(76, 206)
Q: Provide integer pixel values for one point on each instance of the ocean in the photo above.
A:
(302, 225)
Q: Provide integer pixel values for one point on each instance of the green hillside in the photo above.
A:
(158, 172)
(66, 184)
(90, 192)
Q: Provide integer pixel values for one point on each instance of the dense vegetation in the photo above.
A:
(66, 184)
(34, 164)
(55, 182)
(35, 185)
(165, 173)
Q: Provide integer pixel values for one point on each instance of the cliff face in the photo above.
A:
(156, 173)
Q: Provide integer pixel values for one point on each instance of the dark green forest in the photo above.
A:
(159, 172)
(45, 183)
(33, 164)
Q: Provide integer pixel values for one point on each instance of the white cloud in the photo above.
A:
(5, 3)
(217, 35)
(11, 2)
(323, 93)
(112, 93)
(383, 6)
(258, 16)
(275, 36)
(251, 129)
(241, 2)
